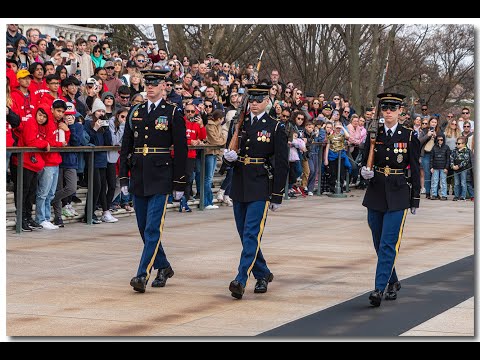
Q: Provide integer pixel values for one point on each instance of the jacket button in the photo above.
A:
(247, 148)
(387, 158)
(248, 140)
(146, 136)
(146, 127)
(388, 149)
(145, 145)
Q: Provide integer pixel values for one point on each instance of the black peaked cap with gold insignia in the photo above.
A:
(154, 74)
(391, 98)
(258, 89)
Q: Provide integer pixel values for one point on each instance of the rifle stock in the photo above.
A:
(239, 117)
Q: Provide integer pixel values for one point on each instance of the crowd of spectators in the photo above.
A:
(78, 93)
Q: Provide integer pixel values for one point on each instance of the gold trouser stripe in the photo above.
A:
(399, 239)
(259, 236)
(162, 222)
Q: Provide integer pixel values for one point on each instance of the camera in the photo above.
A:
(108, 34)
(104, 123)
(432, 128)
(64, 54)
(24, 49)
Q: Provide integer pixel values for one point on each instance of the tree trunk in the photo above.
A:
(158, 28)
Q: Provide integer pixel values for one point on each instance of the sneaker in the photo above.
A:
(422, 191)
(211, 207)
(25, 226)
(455, 199)
(58, 222)
(220, 195)
(72, 210)
(472, 199)
(108, 218)
(66, 211)
(443, 198)
(462, 199)
(433, 197)
(33, 224)
(310, 193)
(127, 207)
(76, 200)
(47, 225)
(227, 200)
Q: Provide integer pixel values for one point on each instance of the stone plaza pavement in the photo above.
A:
(75, 281)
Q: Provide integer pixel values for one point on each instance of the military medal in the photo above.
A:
(264, 120)
(264, 138)
(135, 113)
(268, 137)
(396, 146)
(135, 134)
(399, 158)
(165, 128)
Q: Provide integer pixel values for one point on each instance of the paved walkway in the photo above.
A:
(75, 281)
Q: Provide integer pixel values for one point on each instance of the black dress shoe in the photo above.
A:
(139, 283)
(162, 276)
(237, 289)
(376, 297)
(262, 284)
(392, 289)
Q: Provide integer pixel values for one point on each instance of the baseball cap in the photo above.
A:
(23, 74)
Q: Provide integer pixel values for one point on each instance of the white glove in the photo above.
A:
(177, 195)
(413, 210)
(124, 190)
(230, 155)
(274, 207)
(367, 174)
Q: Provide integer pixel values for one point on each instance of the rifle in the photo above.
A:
(259, 64)
(238, 119)
(373, 126)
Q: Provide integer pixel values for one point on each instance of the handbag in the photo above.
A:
(429, 145)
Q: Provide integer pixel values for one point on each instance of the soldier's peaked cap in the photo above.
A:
(258, 89)
(391, 98)
(154, 74)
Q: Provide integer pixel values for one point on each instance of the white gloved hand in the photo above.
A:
(274, 207)
(367, 174)
(124, 190)
(230, 155)
(177, 195)
(413, 210)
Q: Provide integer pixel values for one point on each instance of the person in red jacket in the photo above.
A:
(196, 132)
(24, 101)
(38, 86)
(33, 162)
(53, 84)
(57, 134)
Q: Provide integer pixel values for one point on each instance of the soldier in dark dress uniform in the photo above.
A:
(147, 167)
(259, 176)
(390, 192)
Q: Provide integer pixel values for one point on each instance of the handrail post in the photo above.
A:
(202, 180)
(338, 186)
(19, 204)
(90, 204)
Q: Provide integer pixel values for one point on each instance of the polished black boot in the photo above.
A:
(162, 276)
(236, 289)
(376, 298)
(139, 283)
(392, 289)
(262, 284)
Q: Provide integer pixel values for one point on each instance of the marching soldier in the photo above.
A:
(151, 128)
(390, 193)
(259, 177)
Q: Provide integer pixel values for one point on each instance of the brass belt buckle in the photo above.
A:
(145, 150)
(387, 170)
(246, 161)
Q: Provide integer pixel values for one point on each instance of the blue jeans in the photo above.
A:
(47, 185)
(250, 218)
(460, 189)
(387, 229)
(313, 165)
(210, 163)
(426, 170)
(439, 174)
(150, 212)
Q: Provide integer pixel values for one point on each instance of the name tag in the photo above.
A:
(137, 119)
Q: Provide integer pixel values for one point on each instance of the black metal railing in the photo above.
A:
(91, 150)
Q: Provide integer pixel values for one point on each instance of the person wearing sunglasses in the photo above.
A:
(390, 194)
(256, 186)
(460, 160)
(147, 170)
(465, 117)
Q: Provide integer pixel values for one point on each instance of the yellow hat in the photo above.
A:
(23, 74)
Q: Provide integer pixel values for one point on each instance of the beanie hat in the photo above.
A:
(98, 105)
(107, 93)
